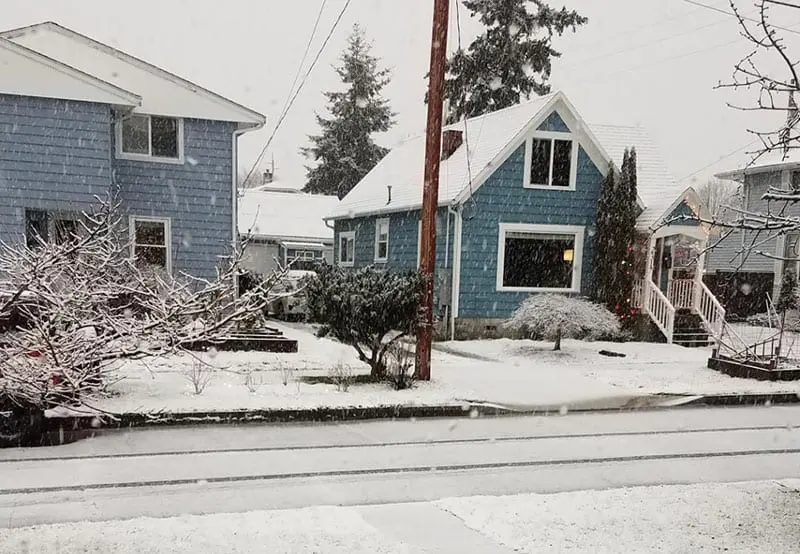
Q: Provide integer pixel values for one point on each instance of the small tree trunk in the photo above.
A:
(557, 346)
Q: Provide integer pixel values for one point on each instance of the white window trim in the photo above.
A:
(378, 224)
(147, 157)
(167, 235)
(419, 242)
(573, 169)
(575, 230)
(347, 235)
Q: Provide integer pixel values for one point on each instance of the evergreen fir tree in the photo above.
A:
(787, 298)
(616, 233)
(510, 60)
(344, 150)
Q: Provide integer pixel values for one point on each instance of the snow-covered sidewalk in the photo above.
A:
(517, 373)
(737, 517)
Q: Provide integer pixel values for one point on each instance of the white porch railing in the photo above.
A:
(681, 293)
(661, 311)
(711, 311)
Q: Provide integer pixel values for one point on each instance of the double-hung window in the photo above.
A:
(551, 161)
(150, 137)
(347, 246)
(539, 257)
(53, 227)
(150, 242)
(381, 240)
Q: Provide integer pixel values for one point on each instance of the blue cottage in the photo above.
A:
(517, 211)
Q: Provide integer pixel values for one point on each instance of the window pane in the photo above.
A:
(135, 135)
(150, 232)
(540, 162)
(35, 227)
(66, 230)
(562, 163)
(539, 261)
(165, 137)
(346, 249)
(795, 180)
(383, 250)
(151, 255)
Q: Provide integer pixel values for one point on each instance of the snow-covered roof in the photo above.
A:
(285, 215)
(29, 73)
(656, 186)
(774, 160)
(492, 137)
(403, 167)
(162, 93)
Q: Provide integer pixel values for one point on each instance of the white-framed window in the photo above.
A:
(539, 258)
(150, 137)
(382, 240)
(151, 241)
(551, 161)
(347, 248)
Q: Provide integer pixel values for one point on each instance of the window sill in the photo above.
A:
(549, 187)
(150, 159)
(537, 289)
(381, 260)
(347, 264)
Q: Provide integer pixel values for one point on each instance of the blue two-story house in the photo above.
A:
(518, 197)
(80, 119)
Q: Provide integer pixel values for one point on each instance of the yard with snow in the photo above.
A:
(522, 374)
(735, 517)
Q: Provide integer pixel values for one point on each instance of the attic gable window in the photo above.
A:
(153, 137)
(551, 161)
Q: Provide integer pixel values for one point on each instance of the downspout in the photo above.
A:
(456, 280)
(235, 201)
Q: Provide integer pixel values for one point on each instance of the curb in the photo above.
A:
(468, 408)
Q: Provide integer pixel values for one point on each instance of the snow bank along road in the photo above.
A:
(163, 472)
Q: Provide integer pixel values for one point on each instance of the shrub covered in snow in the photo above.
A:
(368, 309)
(556, 316)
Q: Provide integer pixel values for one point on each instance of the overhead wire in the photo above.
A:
(299, 87)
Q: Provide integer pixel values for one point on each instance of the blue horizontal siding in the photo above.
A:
(503, 199)
(195, 195)
(553, 122)
(54, 155)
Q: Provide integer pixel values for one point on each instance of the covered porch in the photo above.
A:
(671, 289)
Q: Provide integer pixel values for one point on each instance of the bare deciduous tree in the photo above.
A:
(775, 91)
(85, 304)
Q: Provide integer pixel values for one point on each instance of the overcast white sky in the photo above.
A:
(648, 62)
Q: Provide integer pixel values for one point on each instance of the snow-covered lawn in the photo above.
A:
(320, 529)
(748, 518)
(519, 373)
(738, 517)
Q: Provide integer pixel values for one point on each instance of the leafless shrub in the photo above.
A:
(400, 366)
(199, 376)
(287, 373)
(341, 375)
(253, 381)
(85, 304)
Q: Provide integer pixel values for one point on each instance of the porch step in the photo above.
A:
(691, 337)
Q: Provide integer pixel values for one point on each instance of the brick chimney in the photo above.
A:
(451, 140)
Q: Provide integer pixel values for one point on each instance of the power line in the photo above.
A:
(720, 10)
(463, 98)
(648, 43)
(787, 4)
(299, 87)
(728, 155)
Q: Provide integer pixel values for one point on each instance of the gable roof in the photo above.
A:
(492, 138)
(29, 73)
(284, 214)
(656, 186)
(774, 160)
(162, 92)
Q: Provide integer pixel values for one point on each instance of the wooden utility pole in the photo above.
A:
(430, 192)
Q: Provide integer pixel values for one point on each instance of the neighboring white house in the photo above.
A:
(283, 226)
